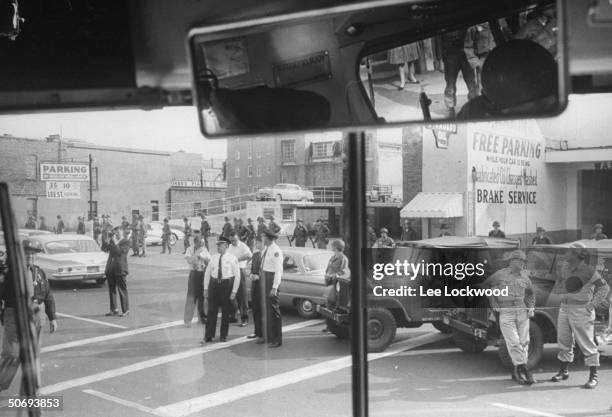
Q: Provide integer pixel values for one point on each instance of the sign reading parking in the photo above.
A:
(63, 190)
(64, 172)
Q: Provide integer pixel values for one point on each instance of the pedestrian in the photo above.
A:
(408, 233)
(60, 225)
(444, 230)
(514, 311)
(598, 233)
(337, 267)
(134, 228)
(479, 41)
(541, 238)
(205, 229)
(455, 60)
(187, 232)
(242, 231)
(81, 225)
(242, 252)
(271, 273)
(107, 233)
(300, 234)
(42, 225)
(541, 27)
(117, 270)
(142, 234)
(227, 228)
(97, 229)
(257, 290)
(497, 232)
(384, 241)
(251, 234)
(273, 227)
(166, 233)
(221, 272)
(371, 234)
(124, 223)
(582, 290)
(31, 223)
(197, 257)
(405, 57)
(322, 234)
(261, 226)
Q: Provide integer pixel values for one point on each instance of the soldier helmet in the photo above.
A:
(598, 226)
(573, 284)
(384, 230)
(496, 223)
(518, 254)
(540, 229)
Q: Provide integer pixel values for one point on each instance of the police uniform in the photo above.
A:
(271, 272)
(221, 279)
(514, 311)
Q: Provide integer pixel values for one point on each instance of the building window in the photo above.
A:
(259, 171)
(31, 162)
(237, 154)
(155, 210)
(288, 214)
(268, 212)
(250, 171)
(288, 150)
(237, 172)
(197, 208)
(258, 152)
(322, 149)
(250, 148)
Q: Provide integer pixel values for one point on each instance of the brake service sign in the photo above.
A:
(64, 172)
(63, 190)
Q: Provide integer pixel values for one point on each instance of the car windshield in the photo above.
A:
(71, 246)
(316, 262)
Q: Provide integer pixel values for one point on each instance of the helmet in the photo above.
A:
(495, 223)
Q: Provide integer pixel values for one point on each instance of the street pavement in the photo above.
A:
(150, 364)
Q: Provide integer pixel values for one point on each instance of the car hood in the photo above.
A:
(85, 258)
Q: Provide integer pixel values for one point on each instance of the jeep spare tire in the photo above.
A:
(381, 329)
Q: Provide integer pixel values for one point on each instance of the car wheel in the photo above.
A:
(468, 343)
(172, 240)
(279, 197)
(442, 328)
(341, 331)
(381, 329)
(536, 348)
(306, 308)
(100, 281)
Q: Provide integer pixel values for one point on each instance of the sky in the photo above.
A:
(168, 129)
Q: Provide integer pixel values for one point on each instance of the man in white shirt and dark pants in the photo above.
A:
(221, 282)
(271, 272)
(197, 257)
(242, 252)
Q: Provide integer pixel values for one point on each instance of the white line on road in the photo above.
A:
(98, 339)
(161, 360)
(92, 320)
(198, 404)
(525, 410)
(121, 401)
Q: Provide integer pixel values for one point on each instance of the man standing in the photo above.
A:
(60, 225)
(222, 271)
(541, 238)
(116, 272)
(598, 233)
(124, 223)
(166, 233)
(444, 230)
(31, 223)
(97, 229)
(300, 234)
(107, 233)
(271, 273)
(408, 233)
(321, 236)
(42, 225)
(250, 230)
(261, 226)
(187, 232)
(273, 227)
(582, 290)
(514, 310)
(142, 234)
(205, 229)
(81, 226)
(227, 228)
(478, 43)
(257, 290)
(455, 60)
(197, 257)
(371, 234)
(242, 252)
(384, 241)
(241, 231)
(497, 232)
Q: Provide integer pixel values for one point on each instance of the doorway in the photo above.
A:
(596, 201)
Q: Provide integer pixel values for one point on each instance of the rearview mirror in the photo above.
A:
(382, 63)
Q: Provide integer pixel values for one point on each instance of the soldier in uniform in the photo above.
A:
(582, 290)
(541, 238)
(384, 241)
(321, 234)
(221, 282)
(261, 226)
(116, 272)
(497, 232)
(166, 233)
(227, 228)
(598, 233)
(300, 234)
(514, 313)
(42, 225)
(60, 225)
(187, 232)
(271, 273)
(257, 290)
(134, 227)
(31, 223)
(97, 229)
(205, 229)
(81, 226)
(408, 233)
(142, 234)
(274, 228)
(251, 234)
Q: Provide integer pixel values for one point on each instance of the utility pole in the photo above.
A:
(90, 217)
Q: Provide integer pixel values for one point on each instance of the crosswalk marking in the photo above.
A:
(527, 411)
(104, 323)
(121, 401)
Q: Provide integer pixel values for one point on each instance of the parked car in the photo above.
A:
(303, 281)
(23, 233)
(284, 192)
(154, 234)
(69, 257)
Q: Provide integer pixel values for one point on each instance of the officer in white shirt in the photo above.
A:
(197, 258)
(242, 252)
(221, 282)
(271, 272)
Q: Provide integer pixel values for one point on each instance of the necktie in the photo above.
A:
(220, 274)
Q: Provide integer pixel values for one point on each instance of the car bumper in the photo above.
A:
(77, 276)
(332, 314)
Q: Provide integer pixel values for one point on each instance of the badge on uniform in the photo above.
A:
(276, 254)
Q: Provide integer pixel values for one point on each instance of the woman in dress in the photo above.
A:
(405, 57)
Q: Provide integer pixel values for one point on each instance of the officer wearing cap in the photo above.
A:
(514, 310)
(275, 228)
(598, 233)
(541, 238)
(384, 241)
(271, 272)
(582, 290)
(497, 232)
(221, 282)
(300, 234)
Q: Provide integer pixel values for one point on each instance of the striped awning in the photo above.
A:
(438, 205)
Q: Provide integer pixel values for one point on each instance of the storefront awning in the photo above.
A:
(441, 205)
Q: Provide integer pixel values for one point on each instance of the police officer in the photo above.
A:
(541, 238)
(273, 227)
(514, 310)
(497, 232)
(221, 282)
(384, 241)
(271, 273)
(242, 252)
(582, 290)
(300, 234)
(598, 233)
(321, 234)
(166, 233)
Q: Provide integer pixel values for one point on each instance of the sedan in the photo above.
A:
(154, 234)
(69, 257)
(303, 280)
(284, 192)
